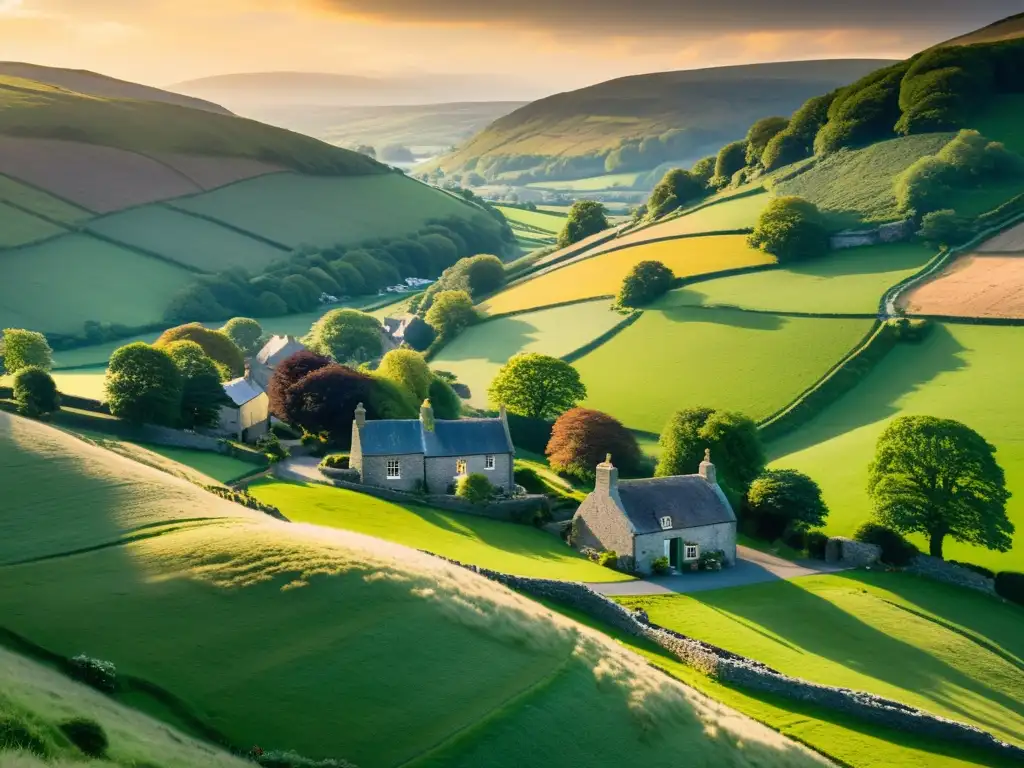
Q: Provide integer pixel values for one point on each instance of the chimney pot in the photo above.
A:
(360, 416)
(707, 469)
(427, 415)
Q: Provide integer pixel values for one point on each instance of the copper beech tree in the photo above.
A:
(581, 438)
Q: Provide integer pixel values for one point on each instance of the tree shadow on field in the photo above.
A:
(494, 341)
(735, 318)
(907, 368)
(820, 628)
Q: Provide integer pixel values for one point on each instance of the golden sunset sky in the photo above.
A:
(551, 44)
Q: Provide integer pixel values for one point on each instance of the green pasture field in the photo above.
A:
(56, 286)
(856, 186)
(847, 740)
(40, 202)
(188, 240)
(83, 382)
(962, 372)
(848, 281)
(547, 222)
(591, 184)
(321, 211)
(136, 563)
(476, 355)
(19, 228)
(1000, 121)
(945, 650)
(678, 357)
(518, 549)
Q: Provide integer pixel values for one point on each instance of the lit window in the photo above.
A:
(394, 470)
(666, 523)
(460, 467)
(488, 462)
(692, 552)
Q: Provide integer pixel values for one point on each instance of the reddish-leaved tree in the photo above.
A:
(325, 401)
(289, 372)
(581, 438)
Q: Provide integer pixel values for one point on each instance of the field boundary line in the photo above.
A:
(64, 228)
(783, 312)
(604, 338)
(169, 204)
(556, 305)
(91, 213)
(139, 250)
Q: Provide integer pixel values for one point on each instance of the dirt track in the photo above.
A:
(973, 286)
(1010, 241)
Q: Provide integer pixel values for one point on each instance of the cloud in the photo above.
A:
(685, 16)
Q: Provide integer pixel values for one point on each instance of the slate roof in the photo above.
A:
(242, 391)
(690, 500)
(278, 349)
(459, 437)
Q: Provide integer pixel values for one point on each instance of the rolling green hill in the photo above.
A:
(643, 120)
(167, 582)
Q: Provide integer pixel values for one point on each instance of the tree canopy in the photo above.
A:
(325, 401)
(407, 369)
(446, 403)
(202, 394)
(289, 372)
(245, 332)
(784, 498)
(586, 218)
(35, 392)
(24, 349)
(347, 335)
(675, 189)
(791, 229)
(940, 478)
(451, 312)
(217, 346)
(645, 282)
(760, 133)
(143, 385)
(581, 438)
(731, 158)
(537, 386)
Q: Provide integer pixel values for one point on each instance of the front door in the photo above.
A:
(673, 551)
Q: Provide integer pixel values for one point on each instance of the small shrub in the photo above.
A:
(795, 538)
(530, 480)
(270, 444)
(711, 560)
(896, 550)
(608, 560)
(912, 331)
(285, 431)
(96, 673)
(18, 734)
(35, 392)
(660, 566)
(978, 569)
(475, 488)
(816, 543)
(1010, 585)
(87, 735)
(295, 760)
(335, 461)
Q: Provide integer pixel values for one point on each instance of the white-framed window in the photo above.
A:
(488, 462)
(394, 469)
(692, 552)
(666, 523)
(460, 467)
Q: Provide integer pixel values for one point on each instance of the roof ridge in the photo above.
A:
(645, 480)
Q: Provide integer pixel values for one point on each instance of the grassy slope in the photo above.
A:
(860, 631)
(477, 354)
(294, 210)
(354, 621)
(592, 184)
(19, 228)
(845, 282)
(30, 108)
(551, 223)
(188, 240)
(40, 203)
(961, 372)
(602, 275)
(41, 699)
(721, 101)
(58, 285)
(855, 186)
(685, 357)
(517, 549)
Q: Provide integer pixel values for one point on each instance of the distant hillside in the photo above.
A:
(1009, 28)
(636, 123)
(276, 89)
(94, 84)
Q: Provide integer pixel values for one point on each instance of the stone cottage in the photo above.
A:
(273, 353)
(675, 517)
(431, 454)
(247, 418)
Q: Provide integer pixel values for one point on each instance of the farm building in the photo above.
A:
(274, 352)
(674, 517)
(248, 417)
(430, 454)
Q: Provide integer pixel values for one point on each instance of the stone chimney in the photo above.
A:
(503, 418)
(707, 469)
(360, 416)
(606, 479)
(248, 371)
(427, 416)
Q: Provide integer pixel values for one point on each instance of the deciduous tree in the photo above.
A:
(289, 372)
(245, 332)
(24, 349)
(784, 498)
(537, 386)
(202, 394)
(35, 392)
(347, 335)
(217, 346)
(760, 133)
(586, 218)
(645, 282)
(143, 385)
(940, 478)
(791, 229)
(408, 369)
(581, 438)
(451, 312)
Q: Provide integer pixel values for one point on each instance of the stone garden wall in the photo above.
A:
(855, 554)
(940, 570)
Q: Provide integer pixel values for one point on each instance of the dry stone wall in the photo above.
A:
(940, 570)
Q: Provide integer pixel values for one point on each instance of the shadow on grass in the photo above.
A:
(820, 628)
(735, 318)
(906, 369)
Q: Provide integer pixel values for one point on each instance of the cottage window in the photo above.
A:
(488, 462)
(394, 469)
(692, 552)
(666, 523)
(460, 467)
